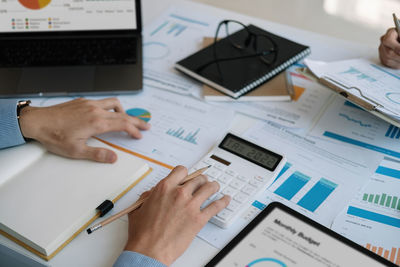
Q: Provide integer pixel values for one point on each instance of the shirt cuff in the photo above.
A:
(130, 258)
(10, 133)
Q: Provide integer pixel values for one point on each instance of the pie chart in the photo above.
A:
(34, 4)
(139, 113)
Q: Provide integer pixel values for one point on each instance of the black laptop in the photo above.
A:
(69, 47)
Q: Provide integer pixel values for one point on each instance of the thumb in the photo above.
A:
(99, 154)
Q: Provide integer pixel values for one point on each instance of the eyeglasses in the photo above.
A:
(250, 44)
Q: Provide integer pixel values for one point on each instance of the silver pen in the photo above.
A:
(397, 24)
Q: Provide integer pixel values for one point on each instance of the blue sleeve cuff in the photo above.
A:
(130, 259)
(10, 133)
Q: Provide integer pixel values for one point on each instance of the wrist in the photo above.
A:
(28, 122)
(149, 251)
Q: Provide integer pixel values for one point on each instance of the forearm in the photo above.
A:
(10, 133)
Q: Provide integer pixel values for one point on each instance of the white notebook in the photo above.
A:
(46, 200)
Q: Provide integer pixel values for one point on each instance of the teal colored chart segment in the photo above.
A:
(272, 260)
(139, 113)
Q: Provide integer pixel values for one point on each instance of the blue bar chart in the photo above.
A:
(393, 132)
(284, 169)
(373, 216)
(292, 185)
(180, 134)
(317, 194)
(388, 172)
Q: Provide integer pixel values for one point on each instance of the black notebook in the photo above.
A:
(239, 76)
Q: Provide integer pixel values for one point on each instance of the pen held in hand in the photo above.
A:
(397, 25)
(138, 203)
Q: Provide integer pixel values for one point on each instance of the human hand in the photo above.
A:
(389, 49)
(64, 129)
(167, 222)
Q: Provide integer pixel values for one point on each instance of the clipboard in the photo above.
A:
(355, 95)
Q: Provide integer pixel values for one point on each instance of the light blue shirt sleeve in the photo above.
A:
(131, 259)
(10, 134)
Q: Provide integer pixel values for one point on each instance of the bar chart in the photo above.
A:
(180, 134)
(317, 195)
(393, 132)
(284, 169)
(384, 200)
(393, 173)
(392, 254)
(292, 185)
(373, 216)
(306, 191)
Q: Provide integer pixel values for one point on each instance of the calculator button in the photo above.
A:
(213, 172)
(237, 184)
(255, 183)
(248, 189)
(225, 179)
(259, 178)
(241, 197)
(230, 172)
(229, 191)
(209, 161)
(220, 166)
(233, 205)
(225, 214)
(242, 178)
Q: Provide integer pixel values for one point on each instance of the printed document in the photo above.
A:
(374, 83)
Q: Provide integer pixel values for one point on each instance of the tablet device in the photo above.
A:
(280, 237)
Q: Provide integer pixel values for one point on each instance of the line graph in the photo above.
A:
(347, 117)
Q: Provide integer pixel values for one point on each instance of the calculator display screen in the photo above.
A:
(251, 152)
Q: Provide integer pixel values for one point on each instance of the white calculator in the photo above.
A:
(244, 170)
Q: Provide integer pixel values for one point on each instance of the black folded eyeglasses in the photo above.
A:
(251, 44)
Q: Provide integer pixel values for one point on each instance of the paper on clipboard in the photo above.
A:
(363, 82)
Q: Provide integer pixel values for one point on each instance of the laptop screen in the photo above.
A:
(66, 15)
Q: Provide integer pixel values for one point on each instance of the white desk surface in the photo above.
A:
(102, 248)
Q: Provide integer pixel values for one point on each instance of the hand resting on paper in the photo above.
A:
(167, 222)
(64, 129)
(389, 49)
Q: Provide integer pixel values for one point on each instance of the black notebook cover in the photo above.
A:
(237, 77)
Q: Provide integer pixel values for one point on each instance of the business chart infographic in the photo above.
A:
(66, 15)
(139, 113)
(372, 218)
(34, 4)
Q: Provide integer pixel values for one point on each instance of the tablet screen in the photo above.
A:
(281, 239)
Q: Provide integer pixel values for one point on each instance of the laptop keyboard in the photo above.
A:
(67, 52)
